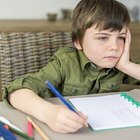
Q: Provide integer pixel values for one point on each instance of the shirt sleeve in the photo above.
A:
(130, 80)
(36, 81)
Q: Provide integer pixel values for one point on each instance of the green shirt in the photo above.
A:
(71, 73)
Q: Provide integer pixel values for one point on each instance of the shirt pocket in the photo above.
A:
(113, 86)
(69, 90)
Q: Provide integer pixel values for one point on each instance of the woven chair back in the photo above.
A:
(22, 53)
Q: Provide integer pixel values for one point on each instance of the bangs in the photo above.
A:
(115, 17)
(113, 24)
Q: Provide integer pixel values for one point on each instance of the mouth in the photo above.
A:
(111, 57)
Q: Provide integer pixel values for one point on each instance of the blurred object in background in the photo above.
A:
(135, 13)
(52, 17)
(66, 14)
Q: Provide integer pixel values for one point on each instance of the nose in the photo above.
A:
(114, 45)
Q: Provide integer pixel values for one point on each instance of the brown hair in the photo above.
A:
(105, 14)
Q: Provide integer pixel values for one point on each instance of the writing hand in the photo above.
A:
(63, 120)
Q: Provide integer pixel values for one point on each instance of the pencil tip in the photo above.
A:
(28, 118)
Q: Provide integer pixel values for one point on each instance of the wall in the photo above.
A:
(33, 9)
(37, 9)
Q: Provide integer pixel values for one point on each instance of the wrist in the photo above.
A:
(126, 67)
(46, 111)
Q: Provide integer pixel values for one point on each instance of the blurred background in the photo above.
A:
(38, 9)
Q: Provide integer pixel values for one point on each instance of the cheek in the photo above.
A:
(121, 47)
(121, 43)
(96, 54)
(121, 51)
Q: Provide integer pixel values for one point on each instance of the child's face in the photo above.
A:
(103, 48)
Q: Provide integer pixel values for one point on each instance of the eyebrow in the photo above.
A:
(102, 34)
(122, 33)
(108, 34)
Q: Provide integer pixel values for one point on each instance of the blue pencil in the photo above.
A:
(57, 94)
(6, 134)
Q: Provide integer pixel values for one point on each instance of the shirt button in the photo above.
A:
(111, 85)
(74, 91)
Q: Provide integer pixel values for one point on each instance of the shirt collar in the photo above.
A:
(110, 69)
(84, 60)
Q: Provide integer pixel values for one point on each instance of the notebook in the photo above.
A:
(109, 111)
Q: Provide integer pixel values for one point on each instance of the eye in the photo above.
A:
(102, 38)
(122, 38)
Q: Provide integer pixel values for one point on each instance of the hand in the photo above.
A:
(63, 120)
(125, 57)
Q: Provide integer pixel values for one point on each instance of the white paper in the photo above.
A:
(108, 112)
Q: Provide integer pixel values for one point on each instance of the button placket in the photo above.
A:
(74, 91)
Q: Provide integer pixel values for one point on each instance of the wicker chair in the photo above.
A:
(26, 52)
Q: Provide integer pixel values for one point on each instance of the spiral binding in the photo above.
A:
(130, 99)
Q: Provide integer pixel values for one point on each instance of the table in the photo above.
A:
(20, 119)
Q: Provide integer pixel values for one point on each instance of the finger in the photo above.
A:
(68, 125)
(73, 123)
(66, 129)
(82, 115)
(62, 128)
(71, 119)
(74, 119)
(78, 117)
(127, 41)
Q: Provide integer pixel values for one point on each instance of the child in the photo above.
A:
(99, 33)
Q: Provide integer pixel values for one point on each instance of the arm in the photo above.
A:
(124, 64)
(59, 118)
(133, 70)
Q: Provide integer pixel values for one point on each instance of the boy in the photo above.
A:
(100, 34)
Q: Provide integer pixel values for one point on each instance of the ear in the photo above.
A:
(78, 45)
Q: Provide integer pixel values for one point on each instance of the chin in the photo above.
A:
(108, 66)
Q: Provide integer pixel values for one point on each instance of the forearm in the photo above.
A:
(132, 69)
(30, 103)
